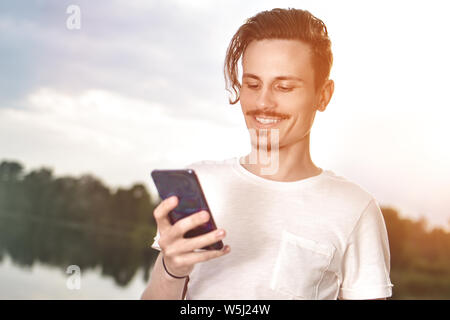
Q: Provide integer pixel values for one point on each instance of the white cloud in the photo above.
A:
(118, 138)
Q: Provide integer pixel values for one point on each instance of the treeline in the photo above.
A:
(84, 200)
(420, 258)
(414, 247)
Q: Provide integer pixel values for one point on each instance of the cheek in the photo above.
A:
(245, 94)
(245, 97)
(299, 98)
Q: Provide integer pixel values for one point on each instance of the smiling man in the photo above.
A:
(297, 232)
(279, 92)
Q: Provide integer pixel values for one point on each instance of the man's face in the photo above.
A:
(278, 83)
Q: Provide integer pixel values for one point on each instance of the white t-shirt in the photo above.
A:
(323, 237)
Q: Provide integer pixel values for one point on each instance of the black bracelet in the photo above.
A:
(165, 268)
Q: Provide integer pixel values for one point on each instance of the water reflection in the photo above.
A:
(47, 282)
(35, 243)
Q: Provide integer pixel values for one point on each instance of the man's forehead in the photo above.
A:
(288, 57)
(286, 46)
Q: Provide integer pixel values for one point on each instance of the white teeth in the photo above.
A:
(267, 121)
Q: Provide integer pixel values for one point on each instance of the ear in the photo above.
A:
(325, 95)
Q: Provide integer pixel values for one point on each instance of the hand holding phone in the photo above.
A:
(186, 186)
(179, 252)
(185, 223)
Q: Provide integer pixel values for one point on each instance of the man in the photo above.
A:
(297, 231)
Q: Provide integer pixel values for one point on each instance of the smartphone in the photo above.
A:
(185, 185)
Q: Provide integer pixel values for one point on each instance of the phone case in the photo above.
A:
(185, 184)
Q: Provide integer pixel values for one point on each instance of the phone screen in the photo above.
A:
(185, 184)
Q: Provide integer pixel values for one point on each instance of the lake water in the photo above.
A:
(35, 256)
(46, 282)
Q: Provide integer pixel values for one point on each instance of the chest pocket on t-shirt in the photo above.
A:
(300, 266)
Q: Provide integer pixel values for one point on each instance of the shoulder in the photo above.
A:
(341, 188)
(349, 203)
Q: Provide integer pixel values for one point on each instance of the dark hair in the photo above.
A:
(289, 24)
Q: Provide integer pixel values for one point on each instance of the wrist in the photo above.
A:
(169, 279)
(171, 276)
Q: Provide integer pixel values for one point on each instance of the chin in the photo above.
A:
(262, 145)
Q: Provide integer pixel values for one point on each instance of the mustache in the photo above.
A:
(268, 114)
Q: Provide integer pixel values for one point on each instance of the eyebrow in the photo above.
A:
(250, 75)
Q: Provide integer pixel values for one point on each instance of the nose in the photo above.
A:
(265, 99)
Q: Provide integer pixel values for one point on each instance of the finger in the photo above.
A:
(192, 258)
(202, 241)
(161, 212)
(191, 222)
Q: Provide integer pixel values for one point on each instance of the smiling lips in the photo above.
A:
(266, 122)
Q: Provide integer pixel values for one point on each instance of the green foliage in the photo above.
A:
(84, 200)
(420, 258)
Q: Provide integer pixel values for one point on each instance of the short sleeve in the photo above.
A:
(155, 244)
(366, 261)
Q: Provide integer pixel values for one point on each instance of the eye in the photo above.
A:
(282, 88)
(251, 86)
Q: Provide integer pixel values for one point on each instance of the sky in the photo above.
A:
(139, 86)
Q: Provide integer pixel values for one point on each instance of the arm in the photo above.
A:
(162, 286)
